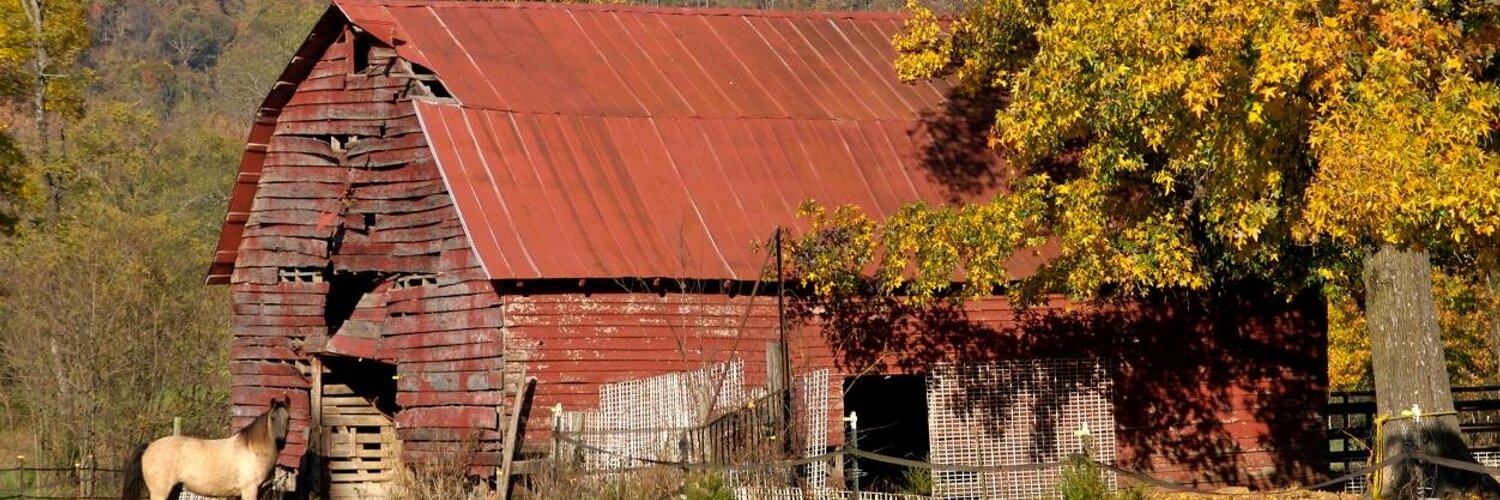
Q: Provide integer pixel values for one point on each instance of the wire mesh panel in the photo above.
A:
(1013, 413)
(811, 403)
(817, 494)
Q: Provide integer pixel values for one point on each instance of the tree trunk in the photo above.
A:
(37, 15)
(1407, 357)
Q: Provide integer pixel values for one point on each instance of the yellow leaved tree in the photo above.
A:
(41, 43)
(1192, 144)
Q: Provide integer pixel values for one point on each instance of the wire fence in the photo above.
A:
(58, 483)
(1418, 463)
(83, 482)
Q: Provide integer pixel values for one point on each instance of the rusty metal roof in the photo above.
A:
(591, 141)
(624, 61)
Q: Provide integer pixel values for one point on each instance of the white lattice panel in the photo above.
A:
(1014, 413)
(817, 494)
(645, 418)
(811, 404)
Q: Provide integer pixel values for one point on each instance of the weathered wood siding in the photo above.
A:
(374, 202)
(1216, 391)
(577, 342)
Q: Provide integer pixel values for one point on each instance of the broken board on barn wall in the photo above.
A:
(357, 435)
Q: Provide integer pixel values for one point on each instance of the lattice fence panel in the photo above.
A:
(817, 494)
(1013, 413)
(811, 403)
(648, 418)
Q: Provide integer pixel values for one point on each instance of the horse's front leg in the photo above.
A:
(251, 492)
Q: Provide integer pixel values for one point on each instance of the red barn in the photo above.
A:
(438, 197)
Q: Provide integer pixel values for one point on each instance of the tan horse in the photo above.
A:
(236, 465)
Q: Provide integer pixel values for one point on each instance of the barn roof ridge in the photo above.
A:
(498, 109)
(637, 9)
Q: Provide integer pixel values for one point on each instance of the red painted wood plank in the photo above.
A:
(448, 435)
(301, 189)
(399, 190)
(357, 347)
(451, 382)
(282, 321)
(307, 299)
(263, 353)
(435, 339)
(260, 341)
(246, 275)
(339, 112)
(475, 417)
(366, 128)
(278, 309)
(451, 353)
(238, 368)
(415, 263)
(478, 364)
(419, 399)
(297, 288)
(444, 304)
(446, 321)
(399, 205)
(257, 398)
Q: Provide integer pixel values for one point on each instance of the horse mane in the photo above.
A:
(258, 432)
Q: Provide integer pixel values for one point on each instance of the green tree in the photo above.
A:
(1194, 144)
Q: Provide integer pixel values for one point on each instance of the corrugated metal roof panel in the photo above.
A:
(633, 61)
(619, 197)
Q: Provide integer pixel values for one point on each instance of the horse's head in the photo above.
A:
(280, 415)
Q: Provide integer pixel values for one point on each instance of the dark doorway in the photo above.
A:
(357, 433)
(892, 421)
(344, 293)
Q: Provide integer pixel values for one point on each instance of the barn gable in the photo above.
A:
(347, 253)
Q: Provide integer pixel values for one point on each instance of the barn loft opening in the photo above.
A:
(345, 290)
(359, 54)
(428, 81)
(892, 421)
(300, 275)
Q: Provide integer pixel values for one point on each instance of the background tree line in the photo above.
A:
(123, 123)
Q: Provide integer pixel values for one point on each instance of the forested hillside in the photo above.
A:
(112, 200)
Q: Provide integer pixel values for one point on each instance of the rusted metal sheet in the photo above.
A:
(637, 61)
(560, 196)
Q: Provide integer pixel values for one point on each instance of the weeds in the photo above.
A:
(1082, 479)
(916, 481)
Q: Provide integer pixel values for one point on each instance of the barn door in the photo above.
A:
(357, 435)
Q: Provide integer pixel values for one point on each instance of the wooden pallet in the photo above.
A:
(360, 448)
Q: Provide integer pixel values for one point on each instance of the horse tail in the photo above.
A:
(135, 481)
